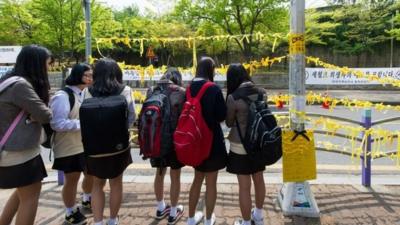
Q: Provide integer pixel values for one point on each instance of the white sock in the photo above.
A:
(258, 213)
(161, 205)
(86, 197)
(112, 221)
(69, 211)
(173, 211)
(207, 222)
(99, 223)
(191, 221)
(246, 222)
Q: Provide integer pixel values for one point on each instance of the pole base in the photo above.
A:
(296, 199)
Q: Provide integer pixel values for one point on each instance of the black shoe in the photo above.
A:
(76, 218)
(179, 213)
(86, 207)
(162, 214)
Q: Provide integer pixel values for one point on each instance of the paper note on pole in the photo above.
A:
(299, 163)
(296, 44)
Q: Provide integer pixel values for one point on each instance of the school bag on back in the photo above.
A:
(155, 130)
(104, 124)
(263, 138)
(193, 137)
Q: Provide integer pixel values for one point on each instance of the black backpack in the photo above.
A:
(263, 137)
(155, 124)
(104, 124)
(47, 128)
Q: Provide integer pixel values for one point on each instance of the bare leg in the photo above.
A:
(115, 195)
(159, 184)
(194, 193)
(10, 209)
(98, 199)
(175, 186)
(69, 188)
(259, 188)
(245, 196)
(211, 192)
(28, 203)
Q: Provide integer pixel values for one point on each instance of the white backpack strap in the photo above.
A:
(9, 81)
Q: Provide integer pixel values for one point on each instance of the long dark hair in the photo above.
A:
(206, 68)
(31, 64)
(173, 75)
(75, 78)
(107, 78)
(235, 76)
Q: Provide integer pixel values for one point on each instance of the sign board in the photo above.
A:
(322, 76)
(8, 54)
(4, 70)
(186, 76)
(150, 53)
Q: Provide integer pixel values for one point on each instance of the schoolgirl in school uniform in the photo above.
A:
(171, 80)
(214, 112)
(23, 103)
(67, 142)
(108, 81)
(247, 169)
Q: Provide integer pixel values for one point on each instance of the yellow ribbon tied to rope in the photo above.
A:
(299, 163)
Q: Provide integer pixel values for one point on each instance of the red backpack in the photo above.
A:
(192, 137)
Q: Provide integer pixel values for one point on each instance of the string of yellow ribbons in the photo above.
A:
(189, 40)
(314, 98)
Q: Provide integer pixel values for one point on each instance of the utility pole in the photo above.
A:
(293, 193)
(391, 44)
(392, 40)
(297, 88)
(88, 31)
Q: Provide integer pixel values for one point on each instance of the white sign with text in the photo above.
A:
(324, 76)
(133, 75)
(8, 54)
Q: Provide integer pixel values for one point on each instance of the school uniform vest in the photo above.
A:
(69, 143)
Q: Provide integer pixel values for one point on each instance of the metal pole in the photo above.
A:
(60, 177)
(292, 192)
(297, 65)
(391, 45)
(88, 33)
(366, 159)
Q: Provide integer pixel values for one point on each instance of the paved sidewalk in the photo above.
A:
(339, 204)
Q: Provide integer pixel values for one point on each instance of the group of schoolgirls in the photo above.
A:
(25, 106)
(214, 110)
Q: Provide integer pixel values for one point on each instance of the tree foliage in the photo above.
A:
(237, 17)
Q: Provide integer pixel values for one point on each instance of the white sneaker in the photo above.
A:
(212, 220)
(256, 220)
(198, 216)
(238, 222)
(113, 223)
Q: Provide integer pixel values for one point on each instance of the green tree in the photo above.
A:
(320, 27)
(361, 28)
(237, 17)
(17, 25)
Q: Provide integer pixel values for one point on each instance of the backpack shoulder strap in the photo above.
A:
(10, 81)
(71, 97)
(204, 89)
